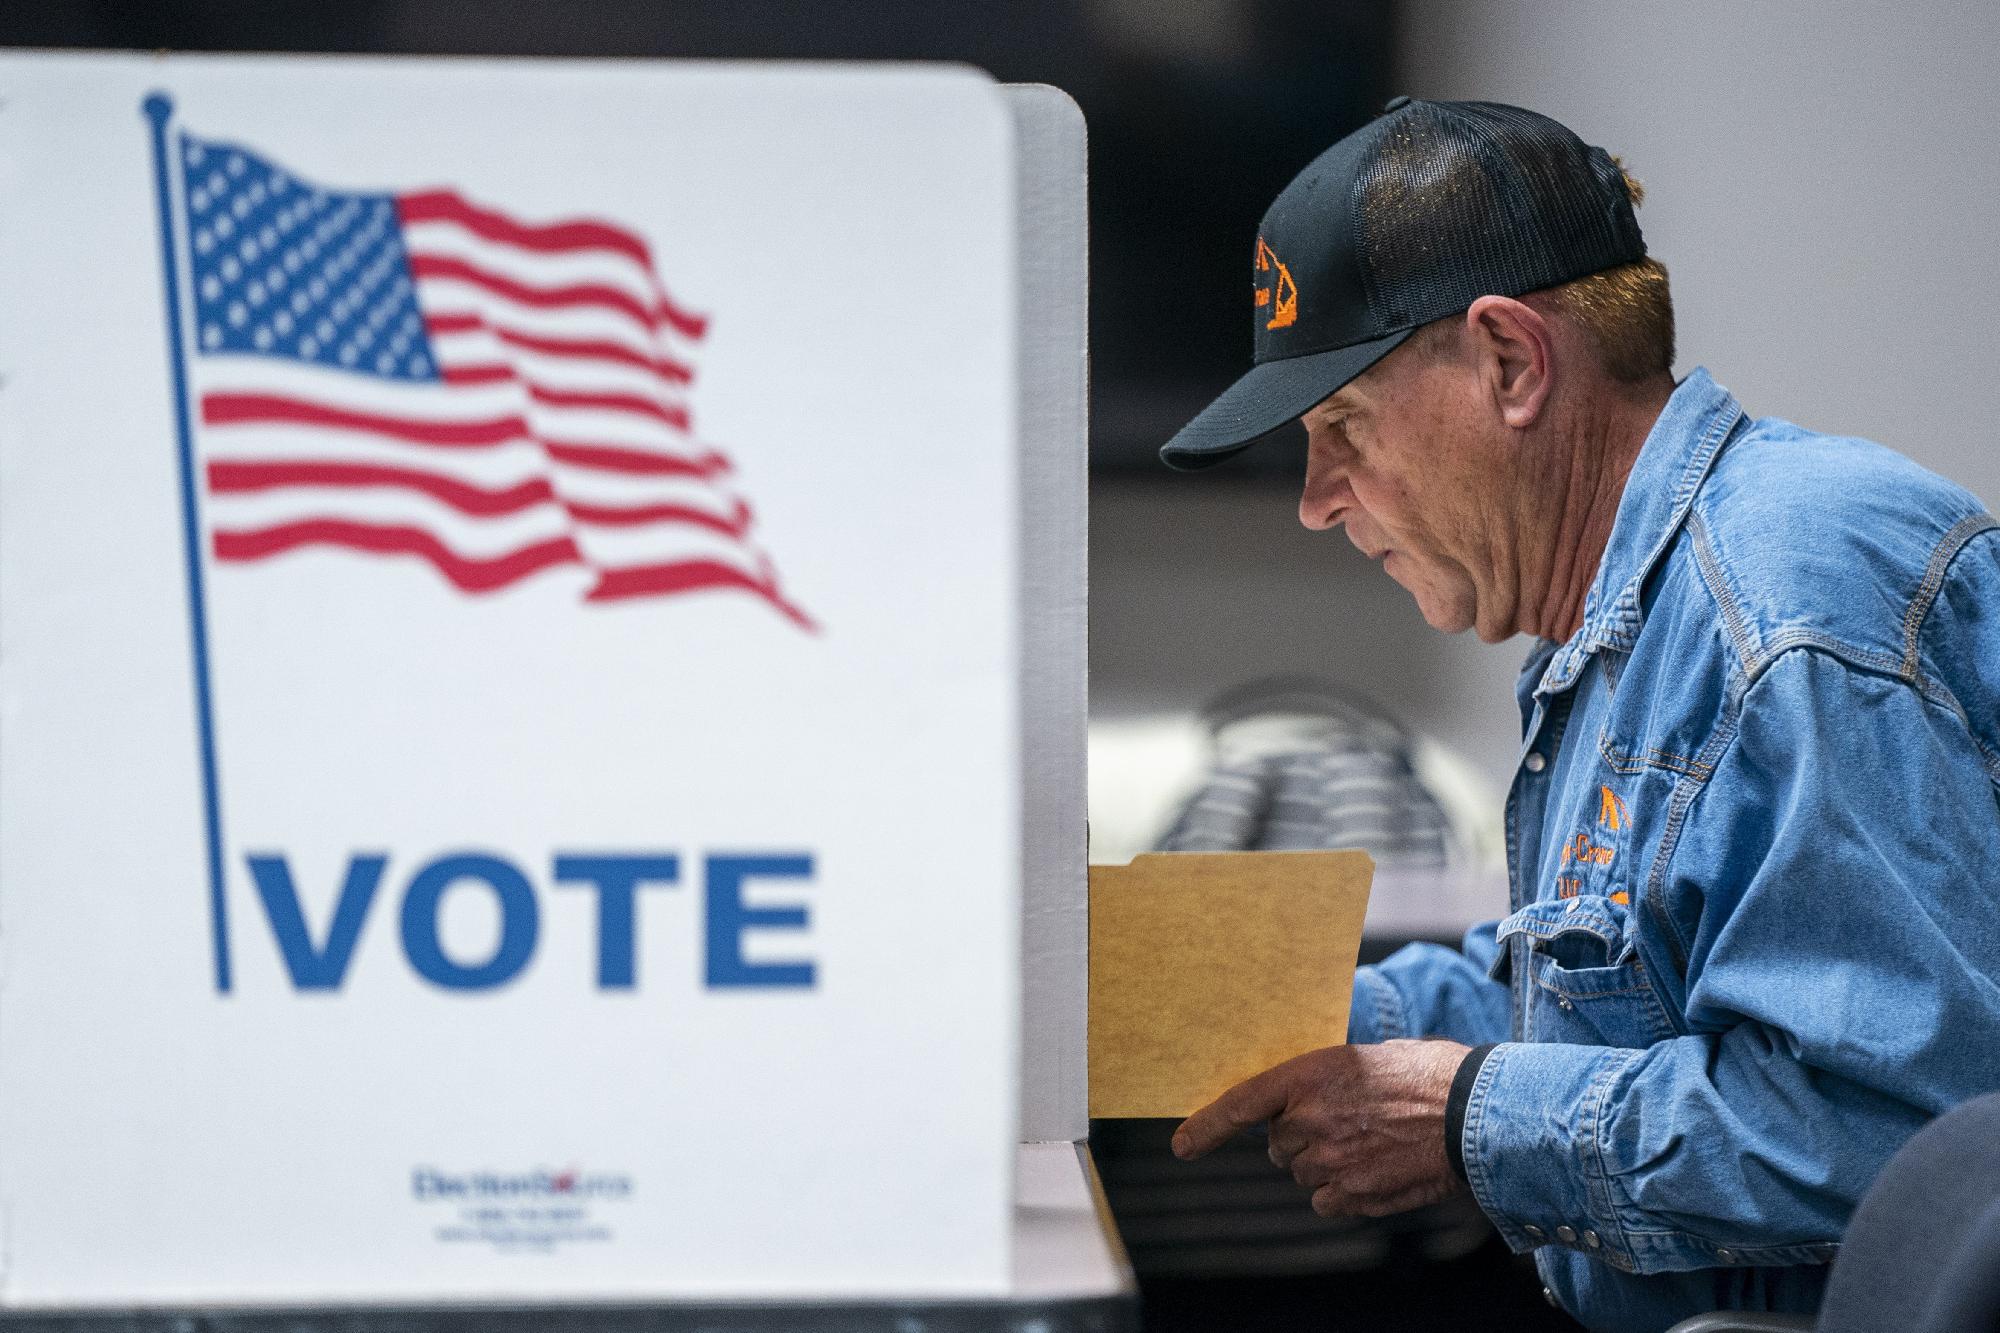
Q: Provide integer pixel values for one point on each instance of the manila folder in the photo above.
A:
(1208, 967)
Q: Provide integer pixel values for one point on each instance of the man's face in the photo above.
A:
(1405, 459)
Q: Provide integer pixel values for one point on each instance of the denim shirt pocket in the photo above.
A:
(1578, 970)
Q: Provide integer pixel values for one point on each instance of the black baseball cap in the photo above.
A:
(1412, 217)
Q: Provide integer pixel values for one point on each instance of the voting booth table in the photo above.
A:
(542, 698)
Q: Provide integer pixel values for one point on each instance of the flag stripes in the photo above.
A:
(423, 376)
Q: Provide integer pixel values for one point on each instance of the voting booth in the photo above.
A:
(541, 687)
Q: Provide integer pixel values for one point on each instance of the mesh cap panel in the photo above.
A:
(1466, 199)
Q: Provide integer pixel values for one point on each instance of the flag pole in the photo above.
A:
(158, 107)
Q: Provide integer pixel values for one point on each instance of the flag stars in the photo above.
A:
(286, 269)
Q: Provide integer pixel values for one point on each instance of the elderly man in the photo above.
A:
(1753, 837)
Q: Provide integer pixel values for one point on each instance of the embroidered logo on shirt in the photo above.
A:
(1584, 850)
(1611, 812)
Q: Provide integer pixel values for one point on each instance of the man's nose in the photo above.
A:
(1324, 501)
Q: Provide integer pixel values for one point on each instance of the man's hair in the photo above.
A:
(1625, 312)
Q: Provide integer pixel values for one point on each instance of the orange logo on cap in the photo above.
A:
(1282, 291)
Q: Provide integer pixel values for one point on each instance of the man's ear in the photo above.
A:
(1512, 346)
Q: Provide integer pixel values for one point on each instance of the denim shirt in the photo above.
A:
(1754, 852)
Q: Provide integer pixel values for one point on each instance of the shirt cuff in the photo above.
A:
(1454, 1106)
(1533, 1143)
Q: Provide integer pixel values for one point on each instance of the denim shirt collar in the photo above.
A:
(1696, 422)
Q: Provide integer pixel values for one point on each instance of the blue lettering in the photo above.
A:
(320, 968)
(617, 879)
(520, 921)
(729, 917)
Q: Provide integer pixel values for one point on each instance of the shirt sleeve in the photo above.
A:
(1833, 897)
(1427, 990)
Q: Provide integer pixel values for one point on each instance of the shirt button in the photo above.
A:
(1535, 1233)
(1727, 1256)
(1535, 762)
(1590, 1239)
(1567, 1235)
(1550, 1297)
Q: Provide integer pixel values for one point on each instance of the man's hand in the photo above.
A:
(1360, 1126)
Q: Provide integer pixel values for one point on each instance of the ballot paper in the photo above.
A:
(1208, 967)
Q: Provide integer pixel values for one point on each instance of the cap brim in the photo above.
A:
(1268, 397)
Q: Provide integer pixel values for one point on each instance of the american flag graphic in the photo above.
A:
(418, 375)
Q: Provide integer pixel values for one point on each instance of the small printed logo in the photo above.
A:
(538, 1210)
(1282, 294)
(429, 1184)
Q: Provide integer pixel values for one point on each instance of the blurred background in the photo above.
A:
(1820, 182)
